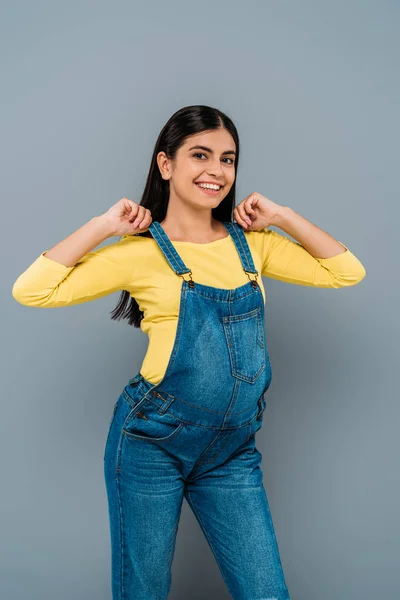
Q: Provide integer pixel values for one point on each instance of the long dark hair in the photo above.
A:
(187, 121)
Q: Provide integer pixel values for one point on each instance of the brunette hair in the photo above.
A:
(187, 121)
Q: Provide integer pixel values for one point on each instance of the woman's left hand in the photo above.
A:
(256, 212)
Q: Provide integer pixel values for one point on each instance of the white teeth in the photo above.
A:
(208, 186)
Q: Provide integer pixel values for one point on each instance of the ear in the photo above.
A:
(164, 165)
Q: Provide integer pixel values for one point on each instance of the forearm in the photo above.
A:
(316, 241)
(70, 250)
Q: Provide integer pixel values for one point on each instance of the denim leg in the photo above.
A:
(145, 494)
(231, 506)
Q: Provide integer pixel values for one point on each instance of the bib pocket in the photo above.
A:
(245, 337)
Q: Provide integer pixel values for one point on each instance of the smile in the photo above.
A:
(208, 189)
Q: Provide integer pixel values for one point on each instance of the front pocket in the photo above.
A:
(147, 423)
(246, 344)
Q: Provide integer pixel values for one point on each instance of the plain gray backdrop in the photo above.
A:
(313, 88)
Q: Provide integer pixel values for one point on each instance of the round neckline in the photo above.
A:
(213, 243)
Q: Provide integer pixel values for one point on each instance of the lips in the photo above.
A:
(208, 191)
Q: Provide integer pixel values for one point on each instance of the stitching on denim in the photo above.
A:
(168, 249)
(214, 456)
(205, 295)
(239, 248)
(172, 260)
(249, 378)
(246, 249)
(178, 333)
(198, 460)
(216, 428)
(230, 338)
(243, 247)
(134, 410)
(243, 316)
(217, 412)
(260, 331)
(242, 250)
(121, 526)
(168, 437)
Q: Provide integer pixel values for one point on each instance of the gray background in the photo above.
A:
(313, 88)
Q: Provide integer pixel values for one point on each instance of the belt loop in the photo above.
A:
(135, 379)
(166, 404)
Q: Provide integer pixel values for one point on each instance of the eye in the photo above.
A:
(202, 154)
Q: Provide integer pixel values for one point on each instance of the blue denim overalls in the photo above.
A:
(192, 435)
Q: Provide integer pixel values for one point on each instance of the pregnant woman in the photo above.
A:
(184, 426)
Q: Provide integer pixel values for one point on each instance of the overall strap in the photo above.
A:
(242, 246)
(166, 247)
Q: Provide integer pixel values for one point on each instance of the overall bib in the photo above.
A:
(192, 435)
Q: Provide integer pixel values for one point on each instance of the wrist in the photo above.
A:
(282, 216)
(104, 225)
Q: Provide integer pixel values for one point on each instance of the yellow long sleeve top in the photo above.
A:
(136, 264)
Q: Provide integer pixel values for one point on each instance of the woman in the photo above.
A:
(185, 424)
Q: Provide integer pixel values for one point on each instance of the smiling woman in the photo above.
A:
(209, 164)
(185, 424)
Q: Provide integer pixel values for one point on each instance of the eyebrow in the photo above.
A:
(209, 150)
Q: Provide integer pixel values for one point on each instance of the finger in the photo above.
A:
(132, 210)
(242, 211)
(249, 207)
(146, 220)
(139, 216)
(239, 218)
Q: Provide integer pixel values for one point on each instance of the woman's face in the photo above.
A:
(213, 163)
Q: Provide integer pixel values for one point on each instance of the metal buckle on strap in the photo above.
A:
(254, 282)
(190, 281)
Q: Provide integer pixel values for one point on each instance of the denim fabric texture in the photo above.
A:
(192, 435)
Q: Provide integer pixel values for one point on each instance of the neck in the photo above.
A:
(190, 225)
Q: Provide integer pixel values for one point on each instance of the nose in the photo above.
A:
(215, 168)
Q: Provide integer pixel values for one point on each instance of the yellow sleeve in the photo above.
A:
(49, 284)
(289, 261)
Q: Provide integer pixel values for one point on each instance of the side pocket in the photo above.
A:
(262, 403)
(150, 425)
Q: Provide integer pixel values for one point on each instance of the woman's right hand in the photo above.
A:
(126, 217)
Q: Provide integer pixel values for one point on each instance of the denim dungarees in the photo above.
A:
(192, 435)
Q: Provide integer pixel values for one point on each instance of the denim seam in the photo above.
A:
(216, 427)
(121, 521)
(134, 410)
(198, 460)
(178, 333)
(243, 247)
(246, 249)
(166, 438)
(213, 457)
(242, 316)
(216, 412)
(235, 372)
(228, 299)
(170, 253)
